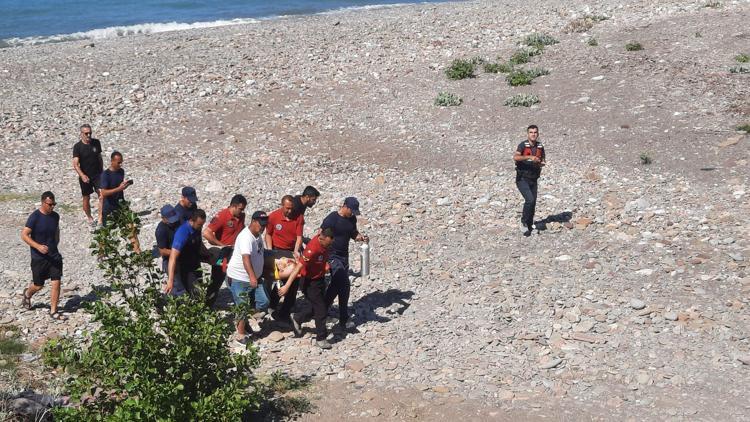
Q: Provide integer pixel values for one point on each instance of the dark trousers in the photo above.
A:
(527, 187)
(339, 286)
(314, 291)
(217, 279)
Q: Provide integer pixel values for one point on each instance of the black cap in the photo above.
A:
(189, 193)
(261, 216)
(352, 203)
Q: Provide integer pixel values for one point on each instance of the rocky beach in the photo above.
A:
(633, 303)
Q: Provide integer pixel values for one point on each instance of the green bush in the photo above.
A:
(645, 158)
(61, 352)
(446, 99)
(522, 100)
(460, 69)
(497, 67)
(523, 55)
(519, 77)
(633, 46)
(742, 58)
(539, 41)
(147, 362)
(739, 69)
(744, 128)
(592, 42)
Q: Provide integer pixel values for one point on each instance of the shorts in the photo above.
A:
(90, 187)
(45, 269)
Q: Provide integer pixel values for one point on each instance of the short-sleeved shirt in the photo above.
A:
(185, 213)
(188, 241)
(314, 260)
(110, 180)
(529, 169)
(44, 229)
(246, 244)
(344, 229)
(284, 231)
(226, 227)
(89, 157)
(164, 237)
(298, 208)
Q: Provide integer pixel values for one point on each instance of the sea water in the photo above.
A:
(43, 21)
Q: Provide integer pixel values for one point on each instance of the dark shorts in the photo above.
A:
(45, 269)
(90, 187)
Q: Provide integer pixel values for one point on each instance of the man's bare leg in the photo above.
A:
(54, 296)
(31, 290)
(87, 208)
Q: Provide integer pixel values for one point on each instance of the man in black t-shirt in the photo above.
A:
(344, 225)
(529, 158)
(87, 162)
(165, 234)
(42, 234)
(187, 205)
(113, 184)
(300, 203)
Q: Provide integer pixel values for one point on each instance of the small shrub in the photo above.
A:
(645, 158)
(698, 35)
(712, 5)
(61, 353)
(460, 69)
(524, 55)
(583, 24)
(744, 128)
(592, 42)
(478, 61)
(11, 346)
(633, 46)
(497, 67)
(446, 99)
(539, 41)
(739, 69)
(522, 100)
(521, 77)
(742, 58)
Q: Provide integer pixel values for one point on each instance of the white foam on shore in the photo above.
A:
(153, 28)
(121, 31)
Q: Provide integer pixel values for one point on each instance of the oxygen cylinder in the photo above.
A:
(364, 259)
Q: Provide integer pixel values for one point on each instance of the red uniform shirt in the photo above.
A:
(226, 227)
(314, 260)
(284, 231)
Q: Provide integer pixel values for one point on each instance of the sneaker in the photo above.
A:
(323, 344)
(296, 327)
(524, 228)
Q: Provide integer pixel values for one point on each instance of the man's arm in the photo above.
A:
(285, 288)
(210, 236)
(26, 237)
(249, 270)
(165, 252)
(517, 156)
(173, 255)
(268, 240)
(109, 192)
(77, 168)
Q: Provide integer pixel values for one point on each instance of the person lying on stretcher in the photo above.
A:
(284, 268)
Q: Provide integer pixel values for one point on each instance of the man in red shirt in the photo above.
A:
(313, 265)
(284, 237)
(222, 231)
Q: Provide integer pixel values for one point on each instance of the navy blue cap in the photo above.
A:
(352, 203)
(261, 216)
(189, 193)
(169, 213)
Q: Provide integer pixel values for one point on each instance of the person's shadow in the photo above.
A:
(562, 217)
(393, 300)
(75, 302)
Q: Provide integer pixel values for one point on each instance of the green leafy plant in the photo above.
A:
(524, 55)
(519, 77)
(148, 362)
(522, 100)
(446, 99)
(712, 5)
(460, 69)
(739, 69)
(539, 41)
(645, 158)
(633, 46)
(698, 35)
(61, 352)
(742, 58)
(497, 67)
(592, 42)
(744, 128)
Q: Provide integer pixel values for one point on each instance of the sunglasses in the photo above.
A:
(51, 204)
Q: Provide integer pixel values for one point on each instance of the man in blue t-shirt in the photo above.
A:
(188, 203)
(188, 251)
(344, 225)
(112, 186)
(42, 234)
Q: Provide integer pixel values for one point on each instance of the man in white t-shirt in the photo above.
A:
(245, 268)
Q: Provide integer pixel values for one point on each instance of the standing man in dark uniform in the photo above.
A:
(112, 186)
(222, 231)
(344, 225)
(187, 253)
(42, 234)
(165, 235)
(529, 158)
(87, 162)
(187, 204)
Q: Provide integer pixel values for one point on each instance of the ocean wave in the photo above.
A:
(121, 31)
